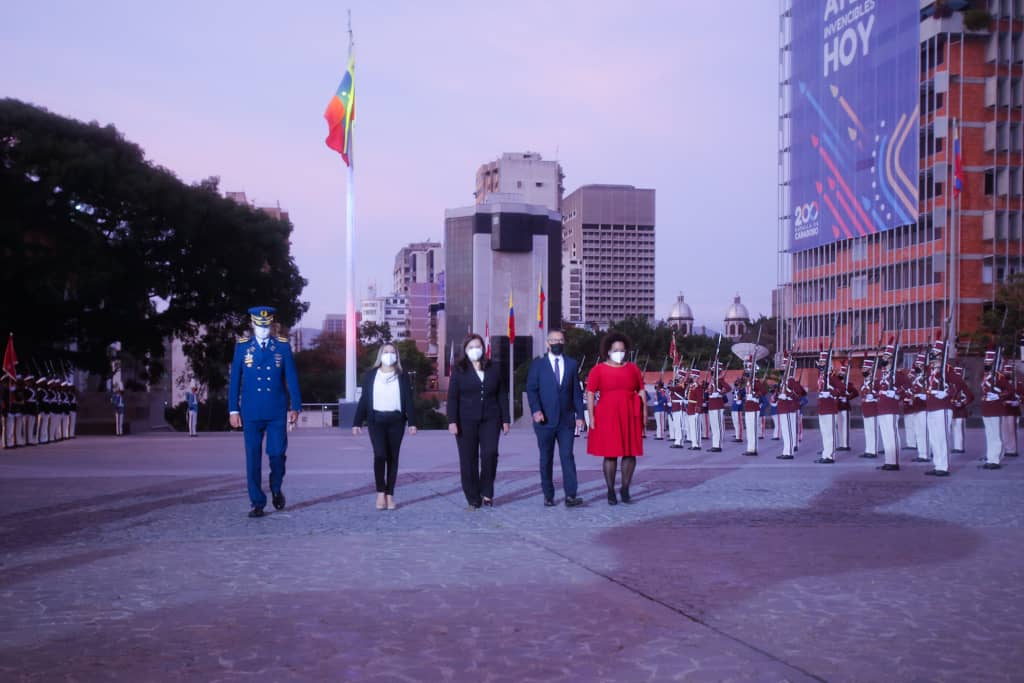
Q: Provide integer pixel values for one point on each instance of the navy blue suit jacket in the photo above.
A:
(561, 403)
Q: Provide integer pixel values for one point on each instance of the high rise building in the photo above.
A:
(495, 250)
(945, 259)
(608, 238)
(392, 309)
(419, 275)
(418, 262)
(525, 174)
(334, 323)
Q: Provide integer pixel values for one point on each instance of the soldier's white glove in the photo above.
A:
(889, 394)
(940, 394)
(991, 396)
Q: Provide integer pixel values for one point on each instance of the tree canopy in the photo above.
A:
(101, 245)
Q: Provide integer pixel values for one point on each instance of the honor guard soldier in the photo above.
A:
(1011, 409)
(31, 416)
(263, 398)
(45, 408)
(961, 406)
(738, 396)
(993, 388)
(676, 411)
(790, 392)
(73, 409)
(17, 421)
(828, 405)
(57, 410)
(717, 391)
(845, 393)
(941, 385)
(869, 409)
(694, 401)
(889, 388)
(752, 407)
(915, 406)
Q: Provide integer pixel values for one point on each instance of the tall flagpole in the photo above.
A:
(351, 341)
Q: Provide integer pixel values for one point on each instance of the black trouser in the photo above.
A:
(478, 458)
(386, 431)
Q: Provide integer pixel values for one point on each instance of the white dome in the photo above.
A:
(680, 310)
(737, 311)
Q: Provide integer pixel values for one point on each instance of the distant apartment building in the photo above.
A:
(537, 182)
(334, 323)
(418, 262)
(391, 309)
(608, 239)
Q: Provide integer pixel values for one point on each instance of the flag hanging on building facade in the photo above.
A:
(10, 358)
(511, 322)
(341, 113)
(540, 303)
(958, 164)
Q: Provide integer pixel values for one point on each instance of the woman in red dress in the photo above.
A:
(621, 413)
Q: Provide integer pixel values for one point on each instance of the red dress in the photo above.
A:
(618, 415)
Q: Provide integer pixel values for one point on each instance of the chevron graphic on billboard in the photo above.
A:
(855, 99)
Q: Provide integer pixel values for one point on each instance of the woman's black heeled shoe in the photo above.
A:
(488, 502)
(624, 492)
(612, 500)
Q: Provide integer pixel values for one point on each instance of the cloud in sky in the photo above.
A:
(678, 96)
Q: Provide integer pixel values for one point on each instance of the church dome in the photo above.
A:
(737, 311)
(680, 310)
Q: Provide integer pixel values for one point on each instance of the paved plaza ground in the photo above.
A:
(133, 559)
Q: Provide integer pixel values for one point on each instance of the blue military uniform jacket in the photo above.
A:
(264, 384)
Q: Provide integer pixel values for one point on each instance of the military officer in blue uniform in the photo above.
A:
(262, 394)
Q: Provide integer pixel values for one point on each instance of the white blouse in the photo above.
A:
(386, 396)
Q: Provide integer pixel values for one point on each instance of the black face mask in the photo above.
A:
(557, 349)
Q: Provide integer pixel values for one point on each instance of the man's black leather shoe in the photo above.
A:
(573, 502)
(549, 502)
(279, 501)
(256, 512)
(889, 468)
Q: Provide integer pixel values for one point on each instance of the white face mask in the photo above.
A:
(617, 356)
(261, 333)
(388, 358)
(474, 353)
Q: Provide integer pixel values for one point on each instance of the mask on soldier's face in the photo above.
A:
(261, 333)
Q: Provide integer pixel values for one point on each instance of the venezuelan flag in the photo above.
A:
(540, 303)
(511, 321)
(341, 113)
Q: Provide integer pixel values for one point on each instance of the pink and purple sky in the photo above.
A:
(680, 96)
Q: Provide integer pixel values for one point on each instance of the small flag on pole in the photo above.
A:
(958, 164)
(540, 303)
(511, 322)
(451, 358)
(673, 351)
(341, 113)
(487, 339)
(10, 359)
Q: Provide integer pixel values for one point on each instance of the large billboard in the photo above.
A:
(854, 90)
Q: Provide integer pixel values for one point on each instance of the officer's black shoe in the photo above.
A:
(938, 473)
(715, 450)
(919, 459)
(550, 502)
(750, 453)
(991, 466)
(867, 455)
(696, 448)
(573, 502)
(736, 440)
(279, 501)
(783, 457)
(889, 468)
(825, 461)
(256, 512)
(1011, 455)
(958, 450)
(675, 446)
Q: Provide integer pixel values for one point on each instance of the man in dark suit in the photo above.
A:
(553, 391)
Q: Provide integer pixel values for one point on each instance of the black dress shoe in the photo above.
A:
(279, 501)
(889, 468)
(550, 502)
(750, 453)
(1011, 455)
(783, 457)
(919, 459)
(868, 455)
(825, 461)
(256, 512)
(991, 466)
(624, 494)
(714, 449)
(696, 448)
(573, 502)
(938, 473)
(675, 446)
(612, 500)
(958, 450)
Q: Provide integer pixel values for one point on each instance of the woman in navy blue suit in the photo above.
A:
(478, 411)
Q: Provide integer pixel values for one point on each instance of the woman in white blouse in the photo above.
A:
(385, 407)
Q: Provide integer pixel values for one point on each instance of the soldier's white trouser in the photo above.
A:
(910, 429)
(43, 427)
(958, 433)
(776, 428)
(693, 422)
(658, 429)
(871, 435)
(890, 439)
(737, 423)
(676, 427)
(750, 424)
(55, 430)
(1009, 423)
(716, 417)
(938, 437)
(993, 439)
(787, 427)
(827, 425)
(118, 424)
(66, 424)
(72, 423)
(19, 430)
(31, 429)
(191, 415)
(921, 433)
(843, 428)
(11, 431)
